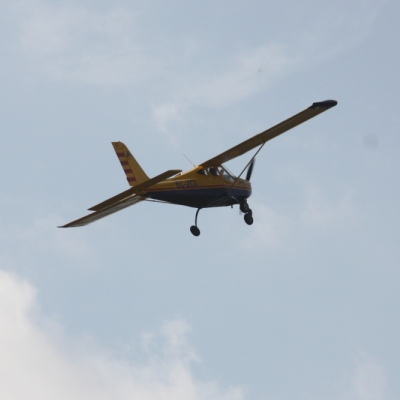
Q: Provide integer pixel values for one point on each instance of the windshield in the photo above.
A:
(227, 174)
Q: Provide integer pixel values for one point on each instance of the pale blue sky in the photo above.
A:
(301, 305)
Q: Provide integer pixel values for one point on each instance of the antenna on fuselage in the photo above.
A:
(187, 158)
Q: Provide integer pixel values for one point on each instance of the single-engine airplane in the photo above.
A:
(210, 184)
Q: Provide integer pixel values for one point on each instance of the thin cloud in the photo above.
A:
(40, 236)
(270, 229)
(114, 48)
(165, 116)
(322, 213)
(368, 381)
(319, 215)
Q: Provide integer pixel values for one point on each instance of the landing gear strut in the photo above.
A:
(194, 229)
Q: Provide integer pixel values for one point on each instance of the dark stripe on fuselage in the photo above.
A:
(201, 197)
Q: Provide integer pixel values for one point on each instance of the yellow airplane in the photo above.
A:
(210, 184)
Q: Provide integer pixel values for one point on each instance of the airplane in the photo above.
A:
(209, 184)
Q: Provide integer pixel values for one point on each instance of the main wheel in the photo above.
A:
(195, 230)
(248, 218)
(244, 207)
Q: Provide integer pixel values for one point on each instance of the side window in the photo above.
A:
(213, 171)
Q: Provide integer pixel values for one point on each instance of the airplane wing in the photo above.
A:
(120, 201)
(257, 140)
(88, 219)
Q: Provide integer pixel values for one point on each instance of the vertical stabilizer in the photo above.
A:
(133, 171)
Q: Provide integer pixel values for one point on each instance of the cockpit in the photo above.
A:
(218, 171)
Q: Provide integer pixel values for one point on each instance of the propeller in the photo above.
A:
(250, 170)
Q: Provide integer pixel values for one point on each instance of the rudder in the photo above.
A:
(133, 171)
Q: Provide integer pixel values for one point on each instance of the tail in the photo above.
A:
(133, 171)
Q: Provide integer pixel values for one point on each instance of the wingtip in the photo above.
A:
(324, 104)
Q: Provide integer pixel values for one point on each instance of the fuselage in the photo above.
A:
(201, 188)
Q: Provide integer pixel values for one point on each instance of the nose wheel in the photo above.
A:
(248, 218)
(244, 207)
(194, 229)
(248, 214)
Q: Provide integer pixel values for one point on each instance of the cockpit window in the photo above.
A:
(213, 171)
(227, 174)
(202, 172)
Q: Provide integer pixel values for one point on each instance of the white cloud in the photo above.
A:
(368, 381)
(37, 362)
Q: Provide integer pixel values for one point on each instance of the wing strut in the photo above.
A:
(244, 169)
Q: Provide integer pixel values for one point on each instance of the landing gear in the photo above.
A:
(244, 207)
(248, 218)
(194, 229)
(248, 214)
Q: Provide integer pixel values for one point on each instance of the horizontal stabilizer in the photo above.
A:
(135, 190)
(120, 201)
